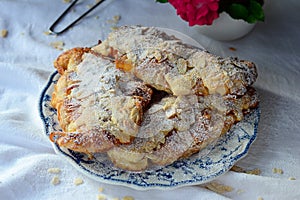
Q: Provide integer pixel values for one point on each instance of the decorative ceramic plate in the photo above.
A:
(210, 163)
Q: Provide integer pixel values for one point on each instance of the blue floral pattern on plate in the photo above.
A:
(199, 168)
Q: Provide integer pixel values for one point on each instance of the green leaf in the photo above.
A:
(162, 1)
(238, 11)
(250, 19)
(256, 10)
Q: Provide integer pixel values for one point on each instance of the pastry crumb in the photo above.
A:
(55, 180)
(292, 178)
(57, 45)
(66, 1)
(47, 32)
(101, 197)
(240, 191)
(115, 20)
(237, 169)
(218, 187)
(100, 189)
(78, 181)
(255, 171)
(54, 170)
(260, 198)
(232, 49)
(3, 33)
(277, 171)
(280, 171)
(127, 198)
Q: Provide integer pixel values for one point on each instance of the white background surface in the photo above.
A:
(26, 62)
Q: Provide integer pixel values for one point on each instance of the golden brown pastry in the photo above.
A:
(144, 98)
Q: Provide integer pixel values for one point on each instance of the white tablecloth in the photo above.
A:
(26, 58)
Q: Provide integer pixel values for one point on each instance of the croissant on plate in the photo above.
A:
(145, 98)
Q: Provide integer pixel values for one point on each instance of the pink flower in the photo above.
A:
(197, 12)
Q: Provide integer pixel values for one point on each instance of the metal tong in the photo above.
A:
(52, 27)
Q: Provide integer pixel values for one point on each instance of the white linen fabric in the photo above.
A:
(26, 58)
